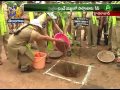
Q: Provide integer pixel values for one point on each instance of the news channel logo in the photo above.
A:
(108, 7)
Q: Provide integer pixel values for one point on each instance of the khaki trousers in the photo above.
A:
(25, 59)
(3, 42)
(109, 36)
(115, 40)
(92, 34)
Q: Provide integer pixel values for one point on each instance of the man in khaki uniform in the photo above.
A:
(42, 44)
(115, 40)
(3, 28)
(92, 31)
(17, 44)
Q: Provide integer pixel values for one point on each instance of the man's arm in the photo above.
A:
(68, 23)
(57, 27)
(47, 38)
(37, 37)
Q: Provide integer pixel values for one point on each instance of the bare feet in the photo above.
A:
(117, 60)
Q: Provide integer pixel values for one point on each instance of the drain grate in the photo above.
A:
(70, 71)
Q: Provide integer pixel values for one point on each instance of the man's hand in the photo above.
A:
(60, 40)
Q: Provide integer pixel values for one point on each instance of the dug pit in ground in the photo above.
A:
(70, 71)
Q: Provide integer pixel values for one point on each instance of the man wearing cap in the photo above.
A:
(18, 44)
(44, 31)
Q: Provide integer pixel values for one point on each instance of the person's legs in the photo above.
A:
(78, 35)
(25, 63)
(118, 39)
(73, 35)
(114, 40)
(109, 38)
(105, 35)
(94, 34)
(25, 57)
(118, 35)
(89, 34)
(99, 34)
(85, 33)
(116, 43)
(1, 43)
(5, 38)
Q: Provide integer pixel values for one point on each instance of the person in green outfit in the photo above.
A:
(3, 28)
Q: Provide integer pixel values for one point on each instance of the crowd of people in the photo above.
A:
(39, 27)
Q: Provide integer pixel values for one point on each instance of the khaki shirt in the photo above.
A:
(27, 35)
(17, 43)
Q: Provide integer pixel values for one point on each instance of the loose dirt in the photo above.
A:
(102, 74)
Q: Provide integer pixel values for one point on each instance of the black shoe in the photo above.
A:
(28, 70)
